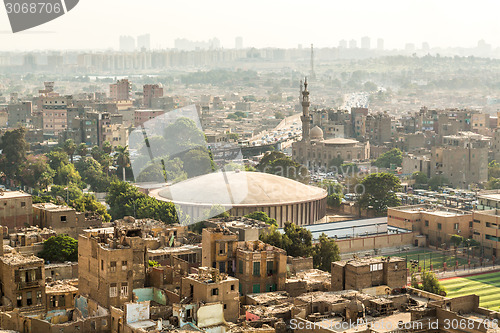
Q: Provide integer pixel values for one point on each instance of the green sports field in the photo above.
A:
(437, 258)
(486, 286)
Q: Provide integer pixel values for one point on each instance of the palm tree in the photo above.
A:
(122, 158)
(69, 148)
(82, 150)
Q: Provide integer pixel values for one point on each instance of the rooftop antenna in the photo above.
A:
(313, 74)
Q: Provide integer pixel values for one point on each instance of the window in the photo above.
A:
(215, 291)
(455, 226)
(270, 267)
(113, 290)
(376, 267)
(102, 265)
(23, 204)
(232, 287)
(426, 223)
(19, 300)
(29, 299)
(240, 266)
(63, 218)
(112, 266)
(62, 301)
(256, 288)
(222, 267)
(38, 297)
(124, 265)
(256, 268)
(439, 226)
(124, 289)
(225, 306)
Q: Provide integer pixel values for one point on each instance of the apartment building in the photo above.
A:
(261, 267)
(436, 223)
(219, 248)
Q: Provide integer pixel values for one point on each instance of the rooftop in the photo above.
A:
(13, 194)
(18, 259)
(53, 207)
(340, 141)
(434, 210)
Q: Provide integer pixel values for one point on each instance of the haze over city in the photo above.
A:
(97, 24)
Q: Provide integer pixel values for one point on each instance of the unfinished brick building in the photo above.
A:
(22, 282)
(358, 274)
(209, 286)
(111, 265)
(219, 248)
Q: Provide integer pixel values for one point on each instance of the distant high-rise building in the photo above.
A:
(353, 44)
(365, 43)
(238, 43)
(425, 46)
(214, 44)
(380, 44)
(410, 47)
(127, 43)
(343, 44)
(144, 42)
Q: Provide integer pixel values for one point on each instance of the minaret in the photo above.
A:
(313, 74)
(305, 111)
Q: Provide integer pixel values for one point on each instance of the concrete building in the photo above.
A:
(19, 114)
(111, 265)
(15, 210)
(219, 249)
(485, 230)
(150, 92)
(280, 198)
(246, 228)
(463, 159)
(260, 267)
(416, 163)
(61, 295)
(54, 109)
(210, 286)
(22, 282)
(121, 90)
(437, 224)
(64, 219)
(141, 116)
(359, 274)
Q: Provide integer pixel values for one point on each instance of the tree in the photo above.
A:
(89, 203)
(336, 162)
(393, 156)
(197, 162)
(279, 164)
(379, 192)
(67, 174)
(14, 147)
(57, 158)
(122, 158)
(92, 174)
(456, 240)
(419, 177)
(107, 148)
(183, 135)
(431, 284)
(66, 193)
(325, 252)
(60, 248)
(437, 181)
(69, 148)
(296, 241)
(82, 150)
(36, 172)
(334, 200)
(261, 216)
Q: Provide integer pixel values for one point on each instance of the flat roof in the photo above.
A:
(13, 194)
(346, 229)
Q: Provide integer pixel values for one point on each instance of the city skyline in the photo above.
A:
(263, 24)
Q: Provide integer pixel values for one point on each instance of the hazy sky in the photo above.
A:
(97, 24)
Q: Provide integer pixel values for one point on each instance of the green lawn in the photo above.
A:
(426, 257)
(486, 286)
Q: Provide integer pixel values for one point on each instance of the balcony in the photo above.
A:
(29, 284)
